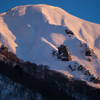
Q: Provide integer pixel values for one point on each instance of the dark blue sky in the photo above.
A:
(85, 9)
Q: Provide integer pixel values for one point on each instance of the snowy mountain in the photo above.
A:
(33, 31)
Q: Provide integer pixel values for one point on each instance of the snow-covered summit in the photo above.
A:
(33, 31)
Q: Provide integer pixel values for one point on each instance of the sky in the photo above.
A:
(85, 9)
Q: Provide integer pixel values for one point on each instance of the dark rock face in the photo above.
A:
(81, 68)
(88, 53)
(63, 53)
(69, 32)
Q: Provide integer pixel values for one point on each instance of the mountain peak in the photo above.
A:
(33, 31)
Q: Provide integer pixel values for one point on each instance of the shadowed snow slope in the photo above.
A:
(33, 31)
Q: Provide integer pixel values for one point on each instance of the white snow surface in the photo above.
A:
(33, 31)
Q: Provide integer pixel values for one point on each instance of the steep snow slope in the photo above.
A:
(33, 31)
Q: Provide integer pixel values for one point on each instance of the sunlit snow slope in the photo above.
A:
(33, 31)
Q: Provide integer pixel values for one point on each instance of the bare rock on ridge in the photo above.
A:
(68, 31)
(63, 53)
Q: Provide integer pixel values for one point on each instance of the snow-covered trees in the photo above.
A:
(4, 47)
(9, 55)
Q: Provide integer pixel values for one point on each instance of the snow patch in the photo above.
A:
(28, 25)
(58, 38)
(44, 40)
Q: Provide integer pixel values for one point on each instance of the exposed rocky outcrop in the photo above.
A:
(89, 76)
(68, 31)
(89, 53)
(63, 53)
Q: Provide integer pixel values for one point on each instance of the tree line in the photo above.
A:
(51, 84)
